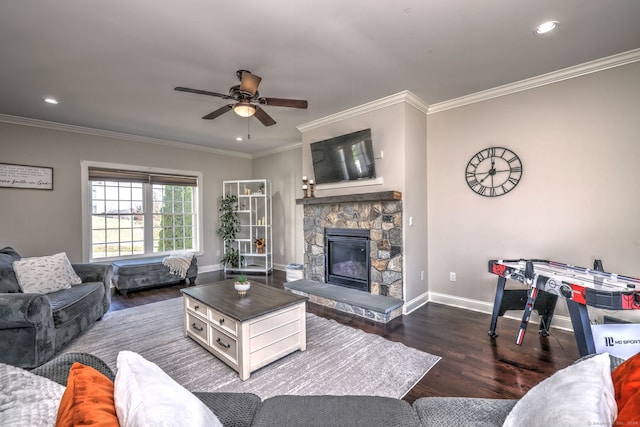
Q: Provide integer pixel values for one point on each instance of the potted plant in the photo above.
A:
(242, 285)
(228, 230)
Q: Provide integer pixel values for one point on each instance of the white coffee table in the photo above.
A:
(245, 332)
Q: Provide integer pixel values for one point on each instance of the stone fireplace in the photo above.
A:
(376, 216)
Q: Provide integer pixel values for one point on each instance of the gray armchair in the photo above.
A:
(34, 327)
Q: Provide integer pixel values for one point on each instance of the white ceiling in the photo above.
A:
(113, 64)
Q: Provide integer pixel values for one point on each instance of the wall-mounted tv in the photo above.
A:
(344, 158)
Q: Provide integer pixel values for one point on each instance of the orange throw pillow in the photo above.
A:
(626, 383)
(88, 399)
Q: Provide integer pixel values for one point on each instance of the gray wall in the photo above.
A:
(578, 197)
(284, 170)
(39, 222)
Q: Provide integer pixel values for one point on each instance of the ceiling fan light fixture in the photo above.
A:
(244, 109)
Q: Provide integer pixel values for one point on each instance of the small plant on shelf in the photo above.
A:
(241, 279)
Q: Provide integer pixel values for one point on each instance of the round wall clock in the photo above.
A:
(494, 171)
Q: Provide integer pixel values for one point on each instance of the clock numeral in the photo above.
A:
(492, 192)
(491, 152)
(473, 183)
(480, 157)
(513, 159)
(516, 169)
(513, 180)
(470, 174)
(482, 190)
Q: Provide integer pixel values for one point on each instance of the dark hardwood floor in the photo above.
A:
(472, 365)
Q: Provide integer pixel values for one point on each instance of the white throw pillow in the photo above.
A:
(146, 396)
(27, 399)
(578, 395)
(45, 274)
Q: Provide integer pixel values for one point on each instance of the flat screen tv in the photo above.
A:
(344, 158)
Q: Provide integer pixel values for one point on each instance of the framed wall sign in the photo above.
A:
(22, 176)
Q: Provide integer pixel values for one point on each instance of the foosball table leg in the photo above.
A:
(581, 328)
(496, 306)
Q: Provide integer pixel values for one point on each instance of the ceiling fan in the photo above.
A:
(247, 99)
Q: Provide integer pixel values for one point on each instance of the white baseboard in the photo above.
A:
(415, 303)
(558, 322)
(217, 267)
(209, 268)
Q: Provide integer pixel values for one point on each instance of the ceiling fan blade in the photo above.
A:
(249, 83)
(282, 102)
(201, 92)
(220, 111)
(264, 117)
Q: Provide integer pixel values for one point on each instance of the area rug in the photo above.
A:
(339, 360)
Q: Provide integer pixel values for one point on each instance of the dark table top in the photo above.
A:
(260, 299)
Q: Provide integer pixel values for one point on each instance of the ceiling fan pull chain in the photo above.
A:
(248, 128)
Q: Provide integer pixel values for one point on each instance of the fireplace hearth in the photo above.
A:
(347, 259)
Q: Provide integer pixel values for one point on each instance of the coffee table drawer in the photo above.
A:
(223, 322)
(196, 306)
(224, 345)
(197, 328)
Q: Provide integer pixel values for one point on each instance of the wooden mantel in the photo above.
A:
(379, 196)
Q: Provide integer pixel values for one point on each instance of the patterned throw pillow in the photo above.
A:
(27, 399)
(45, 274)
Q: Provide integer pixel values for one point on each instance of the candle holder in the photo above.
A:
(305, 187)
(312, 187)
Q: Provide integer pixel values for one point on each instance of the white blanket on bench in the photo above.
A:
(178, 263)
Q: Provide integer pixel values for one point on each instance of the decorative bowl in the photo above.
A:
(242, 288)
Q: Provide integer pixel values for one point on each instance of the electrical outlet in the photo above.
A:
(422, 275)
(218, 252)
(452, 276)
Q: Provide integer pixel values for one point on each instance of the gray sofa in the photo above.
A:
(246, 409)
(34, 327)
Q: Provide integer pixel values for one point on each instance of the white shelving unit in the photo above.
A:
(254, 211)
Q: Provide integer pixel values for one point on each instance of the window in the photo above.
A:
(136, 213)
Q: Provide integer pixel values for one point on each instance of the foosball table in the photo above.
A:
(581, 287)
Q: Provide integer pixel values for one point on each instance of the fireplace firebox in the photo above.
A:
(347, 260)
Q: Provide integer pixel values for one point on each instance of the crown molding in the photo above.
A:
(277, 150)
(542, 80)
(24, 121)
(404, 96)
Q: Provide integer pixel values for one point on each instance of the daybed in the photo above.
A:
(581, 394)
(35, 325)
(141, 273)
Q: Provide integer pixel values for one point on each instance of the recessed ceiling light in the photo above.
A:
(239, 138)
(546, 27)
(51, 101)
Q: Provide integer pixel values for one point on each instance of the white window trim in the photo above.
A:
(86, 204)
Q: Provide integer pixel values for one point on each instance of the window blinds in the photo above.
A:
(102, 174)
